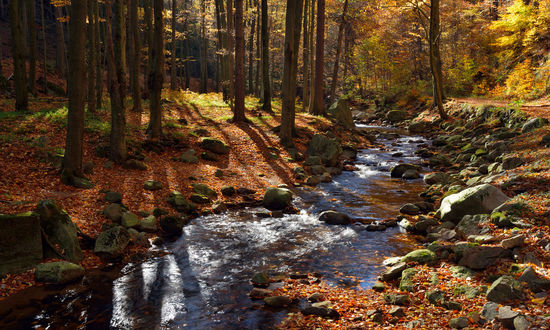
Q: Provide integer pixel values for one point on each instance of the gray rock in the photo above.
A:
(458, 322)
(521, 323)
(20, 242)
(61, 272)
(277, 301)
(469, 225)
(379, 286)
(489, 311)
(334, 218)
(397, 312)
(316, 297)
(506, 316)
(436, 297)
(260, 279)
(277, 198)
(61, 232)
(313, 180)
(328, 149)
(152, 185)
(113, 212)
(393, 272)
(396, 299)
(398, 170)
(148, 224)
(214, 145)
(481, 257)
(437, 178)
(322, 312)
(189, 156)
(509, 163)
(129, 220)
(326, 177)
(535, 281)
(504, 289)
(533, 124)
(480, 199)
(112, 242)
(410, 175)
(113, 197)
(341, 110)
(512, 242)
(410, 209)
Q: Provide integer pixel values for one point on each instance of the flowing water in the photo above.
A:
(204, 281)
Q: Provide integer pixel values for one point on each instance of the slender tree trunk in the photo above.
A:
(18, 51)
(265, 59)
(186, 56)
(148, 17)
(135, 47)
(32, 45)
(100, 60)
(61, 52)
(238, 111)
(305, 60)
(230, 58)
(346, 55)
(435, 58)
(72, 161)
(258, 46)
(156, 76)
(251, 55)
(203, 88)
(311, 52)
(117, 78)
(44, 57)
(173, 84)
(318, 105)
(338, 51)
(92, 65)
(291, 47)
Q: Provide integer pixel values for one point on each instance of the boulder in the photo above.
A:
(513, 242)
(400, 169)
(328, 149)
(111, 243)
(521, 323)
(395, 116)
(20, 242)
(60, 231)
(407, 283)
(258, 293)
(437, 178)
(504, 289)
(60, 272)
(393, 272)
(113, 197)
(148, 224)
(458, 322)
(321, 311)
(189, 156)
(396, 299)
(410, 209)
(533, 124)
(410, 175)
(113, 212)
(512, 162)
(277, 301)
(214, 145)
(134, 164)
(204, 190)
(535, 282)
(228, 191)
(260, 280)
(129, 220)
(180, 203)
(489, 311)
(152, 185)
(469, 225)
(506, 316)
(418, 127)
(173, 225)
(481, 257)
(341, 111)
(480, 199)
(334, 218)
(313, 180)
(422, 256)
(277, 198)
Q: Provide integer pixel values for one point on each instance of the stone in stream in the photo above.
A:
(148, 224)
(398, 170)
(480, 199)
(61, 272)
(112, 242)
(260, 280)
(504, 289)
(173, 225)
(20, 242)
(410, 175)
(437, 178)
(334, 218)
(258, 293)
(277, 198)
(410, 209)
(277, 301)
(328, 149)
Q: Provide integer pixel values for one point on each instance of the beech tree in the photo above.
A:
(92, 57)
(435, 58)
(173, 83)
(317, 104)
(238, 109)
(135, 55)
(32, 45)
(266, 106)
(338, 52)
(156, 75)
(18, 51)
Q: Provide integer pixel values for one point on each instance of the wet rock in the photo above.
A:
(396, 299)
(258, 293)
(148, 224)
(481, 257)
(317, 169)
(20, 242)
(214, 145)
(277, 301)
(152, 185)
(60, 230)
(219, 207)
(512, 242)
(322, 312)
(113, 197)
(313, 180)
(228, 191)
(328, 149)
(316, 297)
(504, 289)
(480, 199)
(437, 178)
(410, 175)
(112, 242)
(421, 256)
(134, 164)
(458, 322)
(375, 227)
(489, 311)
(129, 220)
(395, 116)
(393, 272)
(334, 218)
(260, 280)
(410, 209)
(277, 198)
(173, 225)
(326, 177)
(400, 169)
(535, 281)
(61, 272)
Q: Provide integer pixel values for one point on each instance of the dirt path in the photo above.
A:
(540, 108)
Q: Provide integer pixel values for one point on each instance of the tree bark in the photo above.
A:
(32, 45)
(100, 75)
(203, 88)
(187, 62)
(311, 52)
(291, 47)
(338, 51)
(317, 107)
(135, 56)
(251, 55)
(238, 110)
(230, 58)
(44, 57)
(266, 106)
(92, 65)
(173, 83)
(148, 17)
(61, 52)
(305, 59)
(72, 161)
(18, 51)
(156, 76)
(435, 58)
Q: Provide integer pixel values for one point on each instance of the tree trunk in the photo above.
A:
(148, 17)
(92, 65)
(435, 58)
(32, 45)
(44, 57)
(72, 161)
(99, 59)
(317, 107)
(156, 76)
(230, 58)
(265, 59)
(173, 84)
(61, 52)
(305, 59)
(135, 56)
(203, 88)
(18, 51)
(311, 51)
(338, 51)
(291, 47)
(238, 110)
(251, 55)
(117, 80)
(257, 58)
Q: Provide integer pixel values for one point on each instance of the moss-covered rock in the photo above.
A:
(61, 272)
(422, 256)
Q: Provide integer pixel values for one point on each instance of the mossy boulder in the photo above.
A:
(341, 111)
(398, 170)
(277, 198)
(421, 256)
(504, 289)
(60, 272)
(481, 199)
(407, 282)
(20, 242)
(214, 145)
(204, 190)
(328, 149)
(152, 185)
(111, 243)
(173, 225)
(129, 220)
(395, 116)
(180, 203)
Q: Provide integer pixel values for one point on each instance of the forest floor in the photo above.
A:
(537, 108)
(31, 146)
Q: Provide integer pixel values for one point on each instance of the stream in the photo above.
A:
(204, 281)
